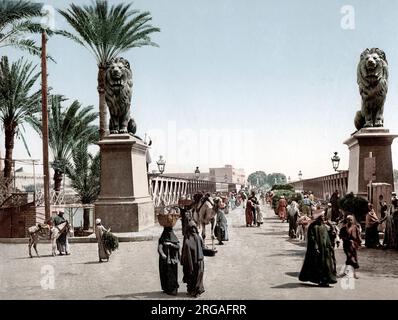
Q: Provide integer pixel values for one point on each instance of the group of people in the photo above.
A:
(387, 221)
(63, 244)
(193, 247)
(191, 258)
(320, 262)
(318, 226)
(253, 212)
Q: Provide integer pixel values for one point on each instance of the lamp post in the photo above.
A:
(46, 171)
(161, 164)
(335, 161)
(300, 175)
(197, 173)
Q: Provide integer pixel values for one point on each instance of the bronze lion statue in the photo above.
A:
(118, 93)
(373, 86)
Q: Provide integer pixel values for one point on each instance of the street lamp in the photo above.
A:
(300, 175)
(335, 161)
(197, 173)
(161, 164)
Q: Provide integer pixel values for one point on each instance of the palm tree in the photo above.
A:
(84, 173)
(106, 32)
(16, 22)
(17, 105)
(66, 130)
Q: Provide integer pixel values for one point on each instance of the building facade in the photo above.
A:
(228, 174)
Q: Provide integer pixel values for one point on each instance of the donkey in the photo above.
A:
(45, 232)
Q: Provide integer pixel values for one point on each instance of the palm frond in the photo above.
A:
(17, 104)
(12, 11)
(68, 127)
(84, 173)
(108, 30)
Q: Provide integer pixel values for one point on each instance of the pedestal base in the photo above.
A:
(124, 203)
(375, 140)
(125, 216)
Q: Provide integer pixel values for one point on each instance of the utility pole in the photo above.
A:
(46, 172)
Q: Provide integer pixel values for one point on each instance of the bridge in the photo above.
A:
(323, 187)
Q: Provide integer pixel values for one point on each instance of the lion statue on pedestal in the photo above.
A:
(373, 86)
(118, 93)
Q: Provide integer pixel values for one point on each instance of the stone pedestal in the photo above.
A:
(360, 144)
(124, 203)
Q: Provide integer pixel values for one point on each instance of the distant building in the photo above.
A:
(189, 175)
(228, 174)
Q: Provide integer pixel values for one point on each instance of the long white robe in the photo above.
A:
(103, 252)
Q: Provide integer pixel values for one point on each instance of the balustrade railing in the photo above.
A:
(168, 190)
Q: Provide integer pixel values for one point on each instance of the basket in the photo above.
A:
(168, 220)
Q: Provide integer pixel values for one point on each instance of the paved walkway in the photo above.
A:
(257, 263)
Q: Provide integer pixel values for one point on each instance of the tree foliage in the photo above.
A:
(261, 179)
(107, 31)
(16, 23)
(84, 173)
(67, 128)
(18, 105)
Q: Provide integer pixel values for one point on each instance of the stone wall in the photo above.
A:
(15, 221)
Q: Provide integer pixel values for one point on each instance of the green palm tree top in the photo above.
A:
(15, 23)
(16, 82)
(107, 30)
(17, 104)
(67, 128)
(84, 173)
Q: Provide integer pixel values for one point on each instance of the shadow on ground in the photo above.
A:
(297, 242)
(274, 233)
(35, 257)
(288, 253)
(148, 295)
(292, 274)
(295, 285)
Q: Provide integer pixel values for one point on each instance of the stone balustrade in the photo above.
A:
(323, 187)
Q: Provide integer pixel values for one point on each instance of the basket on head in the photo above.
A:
(169, 217)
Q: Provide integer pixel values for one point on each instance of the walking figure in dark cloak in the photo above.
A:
(192, 260)
(319, 263)
(169, 257)
(222, 223)
(351, 237)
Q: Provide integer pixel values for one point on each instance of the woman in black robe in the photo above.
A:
(371, 230)
(192, 261)
(319, 263)
(169, 256)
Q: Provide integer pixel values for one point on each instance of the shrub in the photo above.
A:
(289, 196)
(111, 242)
(283, 187)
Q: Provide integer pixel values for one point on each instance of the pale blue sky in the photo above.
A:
(274, 80)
